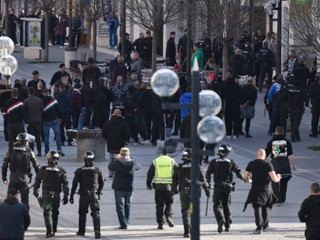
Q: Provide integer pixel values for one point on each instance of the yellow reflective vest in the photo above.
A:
(163, 169)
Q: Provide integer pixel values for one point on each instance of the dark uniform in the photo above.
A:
(91, 183)
(314, 95)
(266, 62)
(181, 183)
(161, 170)
(222, 169)
(19, 158)
(54, 179)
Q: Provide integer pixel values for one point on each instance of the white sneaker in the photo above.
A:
(228, 137)
(85, 128)
(234, 137)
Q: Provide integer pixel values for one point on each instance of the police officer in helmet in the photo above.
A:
(181, 183)
(18, 159)
(91, 183)
(54, 180)
(223, 168)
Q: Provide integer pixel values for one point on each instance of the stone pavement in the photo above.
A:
(284, 223)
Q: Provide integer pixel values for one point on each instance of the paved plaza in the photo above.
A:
(284, 222)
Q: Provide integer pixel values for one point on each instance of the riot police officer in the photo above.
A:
(91, 183)
(54, 180)
(314, 95)
(181, 183)
(222, 169)
(19, 158)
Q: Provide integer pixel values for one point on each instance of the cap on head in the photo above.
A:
(76, 80)
(125, 152)
(35, 72)
(224, 150)
(186, 154)
(62, 65)
(91, 60)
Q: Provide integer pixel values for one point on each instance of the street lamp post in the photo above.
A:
(210, 129)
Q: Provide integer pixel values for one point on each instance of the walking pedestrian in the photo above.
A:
(123, 167)
(54, 180)
(91, 183)
(310, 214)
(115, 131)
(14, 217)
(260, 194)
(18, 160)
(223, 168)
(282, 155)
(161, 173)
(181, 183)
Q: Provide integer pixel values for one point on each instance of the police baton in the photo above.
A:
(207, 204)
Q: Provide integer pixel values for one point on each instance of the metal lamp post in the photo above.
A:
(210, 129)
(8, 63)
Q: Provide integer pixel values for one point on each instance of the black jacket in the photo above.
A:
(124, 174)
(309, 211)
(51, 110)
(115, 132)
(230, 92)
(13, 111)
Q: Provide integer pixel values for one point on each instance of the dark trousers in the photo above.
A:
(261, 215)
(315, 119)
(75, 119)
(24, 191)
(74, 36)
(221, 205)
(65, 124)
(312, 233)
(157, 126)
(295, 119)
(275, 119)
(280, 189)
(265, 69)
(164, 201)
(185, 209)
(50, 206)
(35, 129)
(13, 130)
(91, 102)
(232, 119)
(148, 120)
(84, 202)
(139, 127)
(247, 126)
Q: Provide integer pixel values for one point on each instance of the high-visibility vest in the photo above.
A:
(163, 170)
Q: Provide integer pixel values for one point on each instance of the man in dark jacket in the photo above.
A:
(147, 49)
(90, 79)
(64, 100)
(60, 73)
(51, 118)
(309, 213)
(237, 63)
(266, 62)
(14, 217)
(314, 95)
(171, 50)
(13, 112)
(115, 132)
(230, 95)
(123, 167)
(128, 49)
(33, 107)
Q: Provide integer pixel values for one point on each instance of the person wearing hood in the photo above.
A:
(186, 98)
(115, 131)
(198, 53)
(310, 214)
(123, 167)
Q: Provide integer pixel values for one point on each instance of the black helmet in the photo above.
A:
(22, 138)
(53, 158)
(247, 45)
(224, 150)
(88, 158)
(186, 154)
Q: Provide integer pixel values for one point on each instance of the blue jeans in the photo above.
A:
(112, 157)
(123, 206)
(82, 117)
(46, 130)
(113, 38)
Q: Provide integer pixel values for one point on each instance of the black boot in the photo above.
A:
(54, 222)
(186, 232)
(96, 224)
(82, 225)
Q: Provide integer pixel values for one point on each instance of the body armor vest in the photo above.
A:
(51, 179)
(19, 160)
(88, 179)
(184, 175)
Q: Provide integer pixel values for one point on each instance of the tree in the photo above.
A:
(228, 19)
(152, 15)
(304, 23)
(94, 10)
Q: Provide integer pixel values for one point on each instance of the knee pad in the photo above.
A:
(95, 214)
